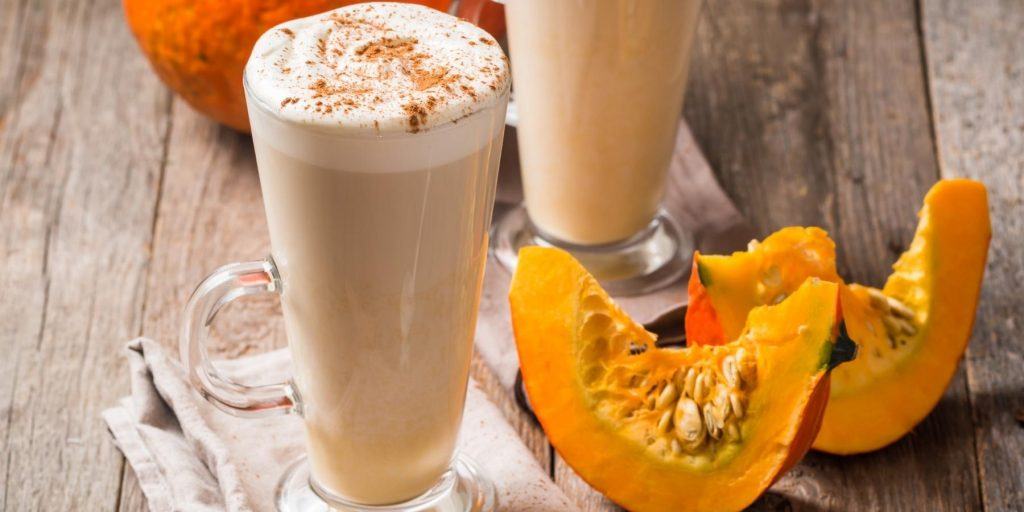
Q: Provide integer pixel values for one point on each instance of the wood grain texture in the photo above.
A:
(585, 497)
(210, 214)
(975, 55)
(115, 200)
(80, 163)
(131, 497)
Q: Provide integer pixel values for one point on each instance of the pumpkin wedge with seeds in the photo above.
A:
(912, 332)
(674, 429)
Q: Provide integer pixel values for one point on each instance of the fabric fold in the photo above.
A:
(190, 456)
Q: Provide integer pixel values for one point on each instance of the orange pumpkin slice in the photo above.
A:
(912, 333)
(674, 429)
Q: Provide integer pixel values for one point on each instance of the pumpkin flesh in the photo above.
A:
(896, 383)
(590, 373)
(911, 333)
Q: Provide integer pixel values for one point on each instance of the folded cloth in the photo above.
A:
(188, 455)
(693, 199)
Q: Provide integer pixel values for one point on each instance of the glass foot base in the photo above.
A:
(461, 489)
(652, 259)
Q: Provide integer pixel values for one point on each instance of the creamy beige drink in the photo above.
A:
(599, 86)
(377, 130)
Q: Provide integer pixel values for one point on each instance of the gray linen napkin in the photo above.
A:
(693, 198)
(190, 456)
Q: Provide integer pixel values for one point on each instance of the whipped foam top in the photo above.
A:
(376, 68)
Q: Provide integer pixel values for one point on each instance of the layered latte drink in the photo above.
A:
(377, 130)
(599, 88)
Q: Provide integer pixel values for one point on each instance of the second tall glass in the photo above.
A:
(599, 89)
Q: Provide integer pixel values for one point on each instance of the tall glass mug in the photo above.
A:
(599, 91)
(378, 179)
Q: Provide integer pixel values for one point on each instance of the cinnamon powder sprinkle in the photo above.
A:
(428, 79)
(468, 90)
(387, 47)
(362, 65)
(417, 116)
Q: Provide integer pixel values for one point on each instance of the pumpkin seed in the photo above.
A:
(737, 404)
(667, 396)
(710, 378)
(665, 421)
(688, 424)
(677, 379)
(699, 389)
(878, 299)
(689, 382)
(900, 309)
(898, 325)
(731, 373)
(723, 406)
(746, 365)
(713, 423)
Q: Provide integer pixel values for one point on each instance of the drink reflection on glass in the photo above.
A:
(599, 89)
(377, 129)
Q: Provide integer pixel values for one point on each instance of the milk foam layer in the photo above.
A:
(376, 68)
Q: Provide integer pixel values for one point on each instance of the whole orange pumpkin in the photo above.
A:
(199, 47)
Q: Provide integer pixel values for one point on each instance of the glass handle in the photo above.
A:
(219, 288)
(512, 113)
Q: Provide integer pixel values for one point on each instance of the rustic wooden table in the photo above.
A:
(116, 198)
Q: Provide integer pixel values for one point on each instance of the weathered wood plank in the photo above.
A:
(975, 56)
(131, 497)
(210, 214)
(82, 127)
(584, 496)
(810, 111)
(817, 113)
